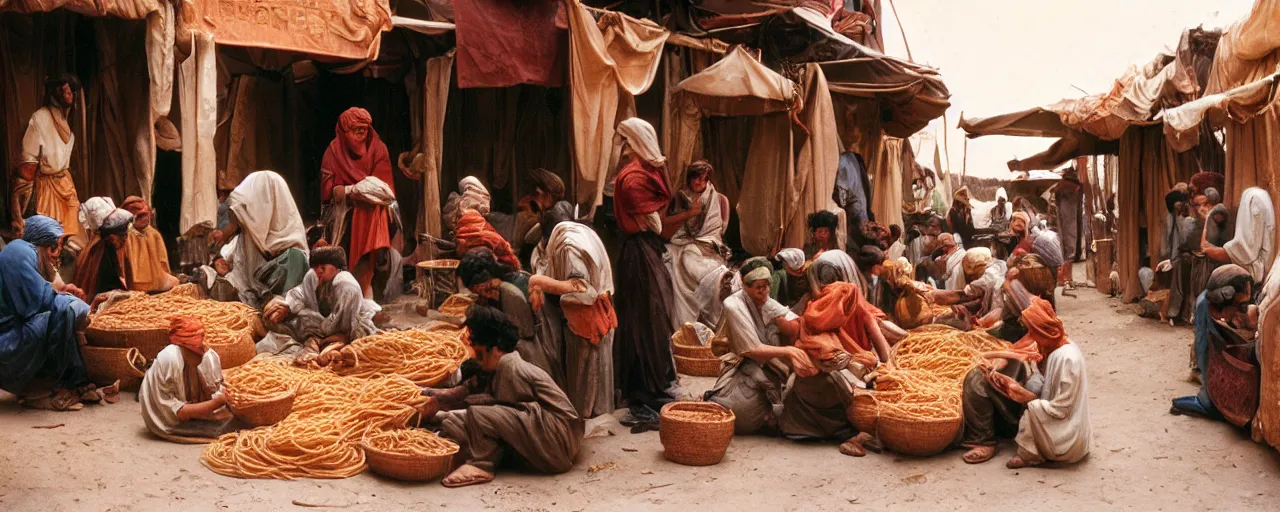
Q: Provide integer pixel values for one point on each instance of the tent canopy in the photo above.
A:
(739, 85)
(127, 9)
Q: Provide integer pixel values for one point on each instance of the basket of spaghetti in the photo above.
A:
(259, 407)
(863, 410)
(413, 455)
(234, 347)
(695, 433)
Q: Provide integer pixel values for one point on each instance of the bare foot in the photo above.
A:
(857, 446)
(1017, 462)
(979, 454)
(467, 475)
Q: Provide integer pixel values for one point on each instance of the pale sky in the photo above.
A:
(999, 56)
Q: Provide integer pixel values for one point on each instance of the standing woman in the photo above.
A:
(642, 348)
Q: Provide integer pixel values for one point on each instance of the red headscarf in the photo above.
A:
(640, 189)
(187, 332)
(840, 307)
(344, 165)
(140, 209)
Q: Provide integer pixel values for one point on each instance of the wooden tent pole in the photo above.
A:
(901, 30)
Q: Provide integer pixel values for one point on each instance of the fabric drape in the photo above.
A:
(199, 103)
(818, 160)
(435, 102)
(503, 43)
(610, 62)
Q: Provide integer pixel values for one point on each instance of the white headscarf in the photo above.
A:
(642, 138)
(573, 241)
(474, 196)
(94, 211)
(792, 258)
(1255, 237)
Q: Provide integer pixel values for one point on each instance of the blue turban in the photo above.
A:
(42, 231)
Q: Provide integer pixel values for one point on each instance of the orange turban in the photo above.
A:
(1043, 326)
(187, 332)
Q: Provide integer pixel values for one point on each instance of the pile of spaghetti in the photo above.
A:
(925, 375)
(456, 305)
(411, 441)
(224, 322)
(425, 357)
(320, 437)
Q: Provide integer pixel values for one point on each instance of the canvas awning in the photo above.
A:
(1182, 124)
(127, 9)
(739, 85)
(350, 30)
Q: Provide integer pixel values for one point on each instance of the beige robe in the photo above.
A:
(751, 390)
(532, 418)
(148, 261)
(1056, 425)
(163, 393)
(695, 251)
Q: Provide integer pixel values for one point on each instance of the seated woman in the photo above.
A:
(181, 395)
(755, 370)
(39, 355)
(269, 257)
(146, 258)
(1040, 386)
(101, 267)
(1222, 307)
(981, 297)
(324, 313)
(696, 244)
(518, 416)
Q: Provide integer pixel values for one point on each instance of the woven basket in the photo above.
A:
(237, 352)
(685, 343)
(148, 341)
(698, 367)
(918, 437)
(863, 410)
(694, 443)
(719, 346)
(408, 468)
(106, 365)
(1232, 379)
(437, 280)
(265, 412)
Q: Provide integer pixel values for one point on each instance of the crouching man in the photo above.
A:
(512, 410)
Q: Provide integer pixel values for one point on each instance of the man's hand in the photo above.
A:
(867, 359)
(800, 362)
(1164, 266)
(74, 291)
(536, 299)
(215, 237)
(220, 414)
(275, 311)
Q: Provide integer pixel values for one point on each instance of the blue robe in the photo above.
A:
(37, 325)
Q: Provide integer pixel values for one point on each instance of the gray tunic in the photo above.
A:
(532, 420)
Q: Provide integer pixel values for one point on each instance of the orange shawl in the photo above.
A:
(837, 320)
(592, 321)
(473, 231)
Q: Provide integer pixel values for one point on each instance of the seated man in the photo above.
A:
(522, 416)
(101, 267)
(982, 295)
(181, 395)
(1040, 386)
(754, 372)
(39, 356)
(146, 258)
(325, 312)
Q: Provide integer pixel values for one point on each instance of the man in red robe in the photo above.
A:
(357, 186)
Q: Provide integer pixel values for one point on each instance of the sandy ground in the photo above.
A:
(1142, 458)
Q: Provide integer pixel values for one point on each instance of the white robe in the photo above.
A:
(350, 314)
(954, 278)
(694, 254)
(162, 394)
(41, 138)
(1255, 239)
(1056, 425)
(269, 223)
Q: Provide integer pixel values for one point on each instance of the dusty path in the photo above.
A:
(1142, 459)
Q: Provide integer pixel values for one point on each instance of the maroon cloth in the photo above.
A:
(640, 189)
(1203, 180)
(370, 228)
(502, 43)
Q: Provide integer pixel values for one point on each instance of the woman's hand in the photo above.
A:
(536, 298)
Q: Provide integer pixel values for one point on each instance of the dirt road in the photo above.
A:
(1142, 459)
